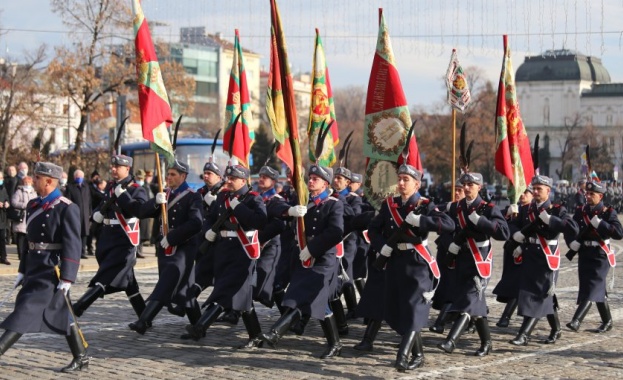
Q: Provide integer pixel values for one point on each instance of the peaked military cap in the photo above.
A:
(322, 172)
(529, 188)
(49, 169)
(237, 171)
(212, 167)
(269, 172)
(472, 178)
(542, 180)
(595, 187)
(181, 167)
(410, 170)
(357, 178)
(121, 160)
(346, 173)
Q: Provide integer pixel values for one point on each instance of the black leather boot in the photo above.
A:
(281, 326)
(79, 352)
(144, 321)
(360, 283)
(138, 303)
(471, 327)
(329, 326)
(606, 317)
(509, 309)
(193, 313)
(278, 298)
(554, 324)
(482, 326)
(230, 316)
(439, 325)
(338, 312)
(350, 297)
(87, 299)
(579, 315)
(7, 340)
(252, 324)
(457, 328)
(198, 330)
(523, 336)
(404, 350)
(367, 343)
(298, 327)
(418, 353)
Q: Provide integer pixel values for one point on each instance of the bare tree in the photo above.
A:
(569, 145)
(350, 111)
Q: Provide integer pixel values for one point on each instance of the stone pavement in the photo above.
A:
(119, 353)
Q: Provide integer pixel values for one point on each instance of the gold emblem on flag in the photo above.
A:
(387, 132)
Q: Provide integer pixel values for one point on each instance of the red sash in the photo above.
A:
(482, 265)
(251, 247)
(553, 259)
(609, 253)
(419, 248)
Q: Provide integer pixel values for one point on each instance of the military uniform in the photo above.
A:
(288, 257)
(598, 224)
(54, 243)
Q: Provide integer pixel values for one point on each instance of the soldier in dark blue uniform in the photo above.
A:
(176, 250)
(53, 242)
(598, 224)
(479, 221)
(411, 270)
(538, 227)
(360, 267)
(312, 287)
(507, 289)
(579, 197)
(236, 247)
(116, 248)
(444, 294)
(289, 252)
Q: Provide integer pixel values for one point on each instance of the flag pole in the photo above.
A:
(163, 208)
(453, 153)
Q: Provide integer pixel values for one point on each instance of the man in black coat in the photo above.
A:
(5, 203)
(79, 193)
(54, 246)
(97, 195)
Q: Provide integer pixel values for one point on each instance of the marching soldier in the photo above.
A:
(479, 221)
(598, 224)
(314, 277)
(507, 289)
(176, 250)
(399, 232)
(231, 226)
(538, 226)
(53, 242)
(360, 267)
(116, 246)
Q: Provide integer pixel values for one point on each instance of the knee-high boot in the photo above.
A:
(198, 330)
(509, 309)
(360, 283)
(278, 298)
(579, 315)
(193, 313)
(76, 345)
(457, 328)
(350, 296)
(405, 348)
(280, 327)
(298, 327)
(7, 340)
(144, 321)
(340, 317)
(418, 352)
(138, 303)
(367, 343)
(606, 317)
(252, 324)
(329, 326)
(554, 324)
(439, 325)
(482, 326)
(523, 336)
(87, 299)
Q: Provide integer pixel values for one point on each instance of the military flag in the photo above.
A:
(152, 95)
(321, 108)
(387, 122)
(238, 101)
(513, 157)
(456, 83)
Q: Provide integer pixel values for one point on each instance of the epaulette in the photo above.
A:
(425, 200)
(135, 185)
(65, 200)
(254, 193)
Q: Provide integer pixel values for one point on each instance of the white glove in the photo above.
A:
(413, 219)
(474, 217)
(595, 221)
(518, 237)
(454, 249)
(386, 250)
(209, 198)
(164, 243)
(305, 255)
(98, 217)
(64, 286)
(161, 198)
(119, 190)
(297, 211)
(517, 252)
(575, 245)
(210, 235)
(544, 216)
(18, 280)
(233, 203)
